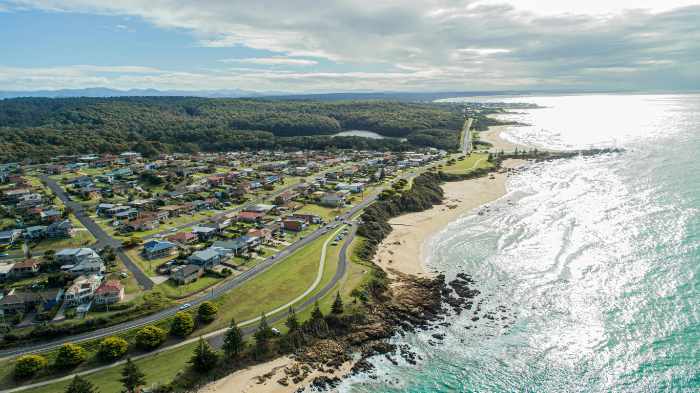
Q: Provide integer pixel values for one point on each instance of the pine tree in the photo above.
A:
(262, 336)
(204, 358)
(132, 378)
(317, 325)
(233, 341)
(337, 307)
(80, 385)
(292, 321)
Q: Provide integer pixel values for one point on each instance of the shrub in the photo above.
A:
(28, 365)
(113, 348)
(182, 325)
(150, 337)
(69, 356)
(207, 312)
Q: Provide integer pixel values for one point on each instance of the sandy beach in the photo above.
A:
(262, 378)
(493, 136)
(403, 250)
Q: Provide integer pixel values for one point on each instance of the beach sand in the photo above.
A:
(248, 379)
(403, 250)
(493, 136)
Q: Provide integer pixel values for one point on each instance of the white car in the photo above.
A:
(185, 306)
(276, 332)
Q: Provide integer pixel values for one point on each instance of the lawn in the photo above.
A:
(471, 162)
(173, 291)
(274, 287)
(81, 238)
(147, 266)
(326, 213)
(159, 369)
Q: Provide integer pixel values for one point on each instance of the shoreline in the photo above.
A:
(493, 136)
(403, 250)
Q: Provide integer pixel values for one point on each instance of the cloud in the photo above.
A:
(434, 44)
(273, 61)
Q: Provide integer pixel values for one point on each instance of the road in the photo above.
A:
(102, 237)
(466, 137)
(216, 338)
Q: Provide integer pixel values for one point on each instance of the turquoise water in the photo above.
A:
(595, 262)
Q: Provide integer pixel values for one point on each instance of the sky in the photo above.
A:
(316, 46)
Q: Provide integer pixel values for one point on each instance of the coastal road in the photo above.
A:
(103, 239)
(216, 338)
(466, 137)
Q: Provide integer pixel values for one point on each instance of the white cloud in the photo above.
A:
(431, 44)
(274, 61)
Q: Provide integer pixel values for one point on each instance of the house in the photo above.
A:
(86, 267)
(82, 290)
(285, 197)
(293, 224)
(125, 214)
(24, 301)
(186, 274)
(309, 218)
(333, 199)
(259, 208)
(29, 200)
(216, 181)
(263, 234)
(26, 268)
(154, 249)
(250, 216)
(50, 215)
(8, 238)
(183, 238)
(144, 223)
(6, 270)
(355, 188)
(75, 256)
(239, 245)
(13, 196)
(60, 229)
(208, 257)
(36, 232)
(109, 292)
(204, 233)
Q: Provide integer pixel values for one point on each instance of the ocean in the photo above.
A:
(589, 268)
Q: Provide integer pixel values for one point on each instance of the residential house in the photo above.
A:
(259, 208)
(183, 238)
(143, 223)
(60, 229)
(208, 257)
(309, 218)
(285, 197)
(35, 233)
(293, 224)
(26, 268)
(29, 200)
(82, 290)
(50, 215)
(87, 267)
(6, 270)
(8, 238)
(186, 274)
(333, 199)
(250, 216)
(24, 301)
(239, 245)
(354, 188)
(109, 292)
(154, 249)
(204, 233)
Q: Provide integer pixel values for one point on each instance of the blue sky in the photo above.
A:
(431, 45)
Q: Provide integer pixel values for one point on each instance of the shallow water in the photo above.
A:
(590, 267)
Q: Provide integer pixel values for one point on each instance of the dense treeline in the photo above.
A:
(41, 128)
(423, 194)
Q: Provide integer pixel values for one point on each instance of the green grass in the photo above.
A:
(471, 162)
(147, 266)
(81, 238)
(174, 291)
(326, 213)
(159, 369)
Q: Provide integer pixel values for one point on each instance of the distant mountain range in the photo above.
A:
(106, 92)
(275, 95)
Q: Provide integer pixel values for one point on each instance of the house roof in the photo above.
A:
(28, 263)
(157, 245)
(108, 287)
(188, 270)
(182, 236)
(250, 215)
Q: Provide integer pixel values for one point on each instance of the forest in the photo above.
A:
(41, 128)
